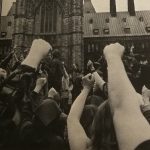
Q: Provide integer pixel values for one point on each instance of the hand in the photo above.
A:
(88, 81)
(90, 65)
(39, 84)
(38, 51)
(41, 47)
(146, 95)
(114, 50)
(3, 73)
(74, 66)
(63, 63)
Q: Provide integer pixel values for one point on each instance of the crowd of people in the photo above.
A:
(44, 106)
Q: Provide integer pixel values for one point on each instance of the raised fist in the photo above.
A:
(40, 84)
(114, 50)
(88, 81)
(38, 51)
(40, 47)
(90, 65)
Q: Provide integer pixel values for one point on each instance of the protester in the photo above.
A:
(107, 112)
(124, 102)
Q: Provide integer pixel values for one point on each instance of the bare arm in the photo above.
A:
(65, 73)
(130, 125)
(38, 51)
(99, 81)
(78, 139)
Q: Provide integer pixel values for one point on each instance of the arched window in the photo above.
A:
(48, 15)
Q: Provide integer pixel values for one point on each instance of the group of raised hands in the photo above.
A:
(131, 127)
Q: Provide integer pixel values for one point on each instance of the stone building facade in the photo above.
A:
(75, 28)
(59, 22)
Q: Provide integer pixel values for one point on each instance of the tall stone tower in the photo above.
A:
(35, 19)
(23, 28)
(73, 33)
(66, 34)
(76, 30)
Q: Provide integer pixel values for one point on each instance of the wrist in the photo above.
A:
(31, 61)
(37, 89)
(87, 89)
(92, 70)
(113, 59)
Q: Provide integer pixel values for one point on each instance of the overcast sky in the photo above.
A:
(100, 5)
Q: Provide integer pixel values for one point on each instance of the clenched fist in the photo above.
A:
(114, 50)
(40, 84)
(38, 51)
(88, 81)
(90, 65)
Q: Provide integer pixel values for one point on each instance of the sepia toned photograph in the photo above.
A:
(74, 74)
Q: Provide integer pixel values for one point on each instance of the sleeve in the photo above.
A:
(144, 146)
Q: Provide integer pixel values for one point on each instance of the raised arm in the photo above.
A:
(38, 51)
(65, 73)
(98, 80)
(131, 127)
(78, 139)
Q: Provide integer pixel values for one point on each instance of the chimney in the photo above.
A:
(131, 7)
(113, 8)
(0, 13)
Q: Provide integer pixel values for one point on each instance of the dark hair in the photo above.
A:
(103, 132)
(56, 54)
(87, 118)
(94, 100)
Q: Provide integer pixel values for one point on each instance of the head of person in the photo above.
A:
(87, 117)
(53, 94)
(103, 132)
(56, 54)
(94, 100)
(46, 115)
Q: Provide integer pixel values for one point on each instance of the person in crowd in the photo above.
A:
(13, 89)
(65, 90)
(100, 86)
(43, 128)
(56, 71)
(124, 102)
(102, 129)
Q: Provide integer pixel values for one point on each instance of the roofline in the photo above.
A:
(116, 12)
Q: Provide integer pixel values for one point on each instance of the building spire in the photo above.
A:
(88, 7)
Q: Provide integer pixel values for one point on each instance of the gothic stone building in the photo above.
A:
(74, 28)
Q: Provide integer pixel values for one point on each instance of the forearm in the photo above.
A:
(120, 89)
(32, 61)
(65, 73)
(75, 129)
(99, 81)
(78, 105)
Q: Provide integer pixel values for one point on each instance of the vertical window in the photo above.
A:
(89, 48)
(49, 16)
(96, 47)
(9, 23)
